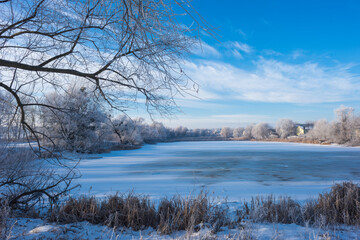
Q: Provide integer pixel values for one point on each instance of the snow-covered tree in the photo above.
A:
(162, 132)
(285, 128)
(76, 122)
(321, 130)
(180, 131)
(226, 132)
(128, 131)
(344, 126)
(238, 132)
(261, 131)
(248, 131)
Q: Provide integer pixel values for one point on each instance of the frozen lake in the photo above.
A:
(237, 170)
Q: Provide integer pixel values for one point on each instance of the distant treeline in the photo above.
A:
(79, 124)
(345, 129)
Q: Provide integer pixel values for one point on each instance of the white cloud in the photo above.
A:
(205, 50)
(276, 81)
(241, 46)
(271, 52)
(237, 54)
(241, 32)
(297, 54)
(216, 121)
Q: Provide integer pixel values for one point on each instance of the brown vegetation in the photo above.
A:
(340, 206)
(269, 209)
(180, 213)
(128, 211)
(138, 212)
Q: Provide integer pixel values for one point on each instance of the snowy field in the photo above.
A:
(237, 170)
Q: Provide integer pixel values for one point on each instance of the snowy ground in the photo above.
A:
(25, 228)
(237, 170)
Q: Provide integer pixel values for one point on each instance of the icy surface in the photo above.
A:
(237, 170)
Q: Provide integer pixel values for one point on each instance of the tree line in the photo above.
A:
(80, 123)
(345, 129)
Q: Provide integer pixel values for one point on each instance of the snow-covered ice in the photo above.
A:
(237, 170)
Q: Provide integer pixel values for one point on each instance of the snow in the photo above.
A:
(26, 228)
(237, 170)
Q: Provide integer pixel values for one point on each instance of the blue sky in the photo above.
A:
(273, 59)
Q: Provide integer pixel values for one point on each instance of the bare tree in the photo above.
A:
(121, 50)
(285, 128)
(26, 180)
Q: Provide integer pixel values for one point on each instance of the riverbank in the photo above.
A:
(293, 140)
(283, 140)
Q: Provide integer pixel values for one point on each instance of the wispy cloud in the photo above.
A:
(270, 52)
(276, 81)
(205, 50)
(297, 54)
(215, 121)
(237, 54)
(240, 46)
(241, 32)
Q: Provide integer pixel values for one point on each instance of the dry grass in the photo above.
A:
(138, 212)
(340, 206)
(268, 209)
(190, 214)
(128, 211)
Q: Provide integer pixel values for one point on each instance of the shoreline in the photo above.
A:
(284, 140)
(294, 140)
